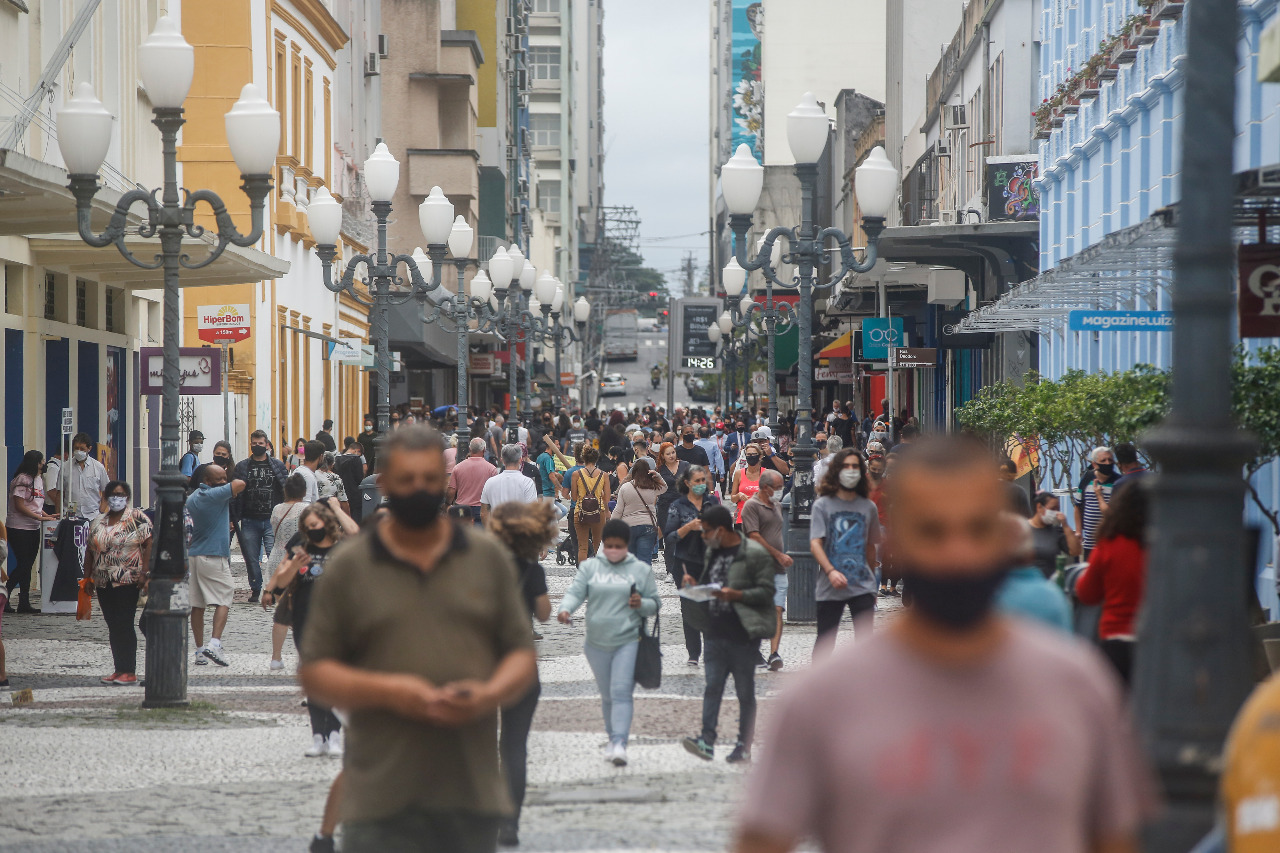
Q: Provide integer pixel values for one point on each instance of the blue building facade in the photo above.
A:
(1110, 172)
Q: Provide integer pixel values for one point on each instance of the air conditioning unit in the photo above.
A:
(384, 46)
(948, 217)
(954, 116)
(373, 65)
(522, 79)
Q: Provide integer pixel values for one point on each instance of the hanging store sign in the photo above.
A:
(833, 374)
(909, 357)
(483, 364)
(1120, 321)
(879, 334)
(1259, 302)
(218, 323)
(200, 371)
(952, 336)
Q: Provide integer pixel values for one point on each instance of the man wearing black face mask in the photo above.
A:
(264, 476)
(990, 732)
(417, 629)
(1093, 495)
(689, 452)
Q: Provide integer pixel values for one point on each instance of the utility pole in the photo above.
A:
(688, 272)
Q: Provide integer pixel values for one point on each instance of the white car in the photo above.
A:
(613, 385)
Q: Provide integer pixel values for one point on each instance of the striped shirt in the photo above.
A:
(1086, 497)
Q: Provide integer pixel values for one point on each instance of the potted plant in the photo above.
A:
(1123, 51)
(1145, 31)
(1108, 66)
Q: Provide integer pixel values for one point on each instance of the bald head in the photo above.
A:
(771, 479)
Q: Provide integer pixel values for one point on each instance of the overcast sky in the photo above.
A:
(655, 113)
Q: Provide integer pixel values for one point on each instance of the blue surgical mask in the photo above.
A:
(699, 488)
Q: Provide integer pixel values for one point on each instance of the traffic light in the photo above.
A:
(665, 312)
(653, 294)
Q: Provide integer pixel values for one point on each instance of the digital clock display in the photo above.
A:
(699, 362)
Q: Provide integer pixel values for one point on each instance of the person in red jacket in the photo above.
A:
(1117, 574)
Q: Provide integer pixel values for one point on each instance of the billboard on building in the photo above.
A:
(748, 86)
(1011, 192)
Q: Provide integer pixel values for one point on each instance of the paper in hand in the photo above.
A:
(705, 592)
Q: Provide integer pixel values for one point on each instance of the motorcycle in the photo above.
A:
(655, 377)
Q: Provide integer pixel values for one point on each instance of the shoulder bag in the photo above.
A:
(649, 656)
(652, 517)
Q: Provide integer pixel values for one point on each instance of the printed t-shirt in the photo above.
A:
(846, 528)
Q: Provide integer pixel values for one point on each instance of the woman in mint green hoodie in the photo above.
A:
(619, 591)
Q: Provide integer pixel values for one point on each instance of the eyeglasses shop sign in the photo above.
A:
(200, 369)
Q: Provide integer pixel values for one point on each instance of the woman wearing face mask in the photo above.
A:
(746, 481)
(638, 507)
(685, 549)
(619, 592)
(25, 515)
(299, 454)
(117, 557)
(320, 530)
(844, 532)
(1050, 535)
(284, 527)
(672, 470)
(329, 484)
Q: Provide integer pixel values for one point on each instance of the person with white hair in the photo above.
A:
(1092, 495)
(466, 483)
(834, 445)
(510, 485)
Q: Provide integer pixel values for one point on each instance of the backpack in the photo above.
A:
(589, 506)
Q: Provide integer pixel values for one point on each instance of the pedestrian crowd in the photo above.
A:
(407, 567)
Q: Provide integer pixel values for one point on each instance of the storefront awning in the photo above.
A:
(1132, 264)
(36, 204)
(841, 347)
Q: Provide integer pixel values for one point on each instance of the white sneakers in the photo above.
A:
(616, 754)
(320, 747)
(277, 665)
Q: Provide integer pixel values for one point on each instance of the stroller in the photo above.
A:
(567, 548)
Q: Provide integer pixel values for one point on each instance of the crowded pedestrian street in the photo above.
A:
(85, 769)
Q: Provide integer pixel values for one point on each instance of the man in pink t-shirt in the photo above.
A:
(466, 483)
(955, 730)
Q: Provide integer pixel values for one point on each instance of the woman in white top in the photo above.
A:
(638, 507)
(284, 526)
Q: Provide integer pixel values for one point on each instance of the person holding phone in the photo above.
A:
(619, 591)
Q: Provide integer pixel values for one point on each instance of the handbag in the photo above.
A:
(649, 656)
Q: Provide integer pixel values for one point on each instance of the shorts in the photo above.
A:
(210, 582)
(781, 583)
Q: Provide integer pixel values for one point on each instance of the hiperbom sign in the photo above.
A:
(1120, 321)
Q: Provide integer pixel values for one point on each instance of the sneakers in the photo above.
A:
(619, 757)
(322, 844)
(126, 679)
(508, 835)
(110, 679)
(693, 661)
(699, 747)
(254, 597)
(761, 663)
(201, 660)
(741, 754)
(775, 662)
(319, 747)
(277, 665)
(335, 744)
(213, 652)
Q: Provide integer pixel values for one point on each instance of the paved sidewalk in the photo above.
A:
(85, 769)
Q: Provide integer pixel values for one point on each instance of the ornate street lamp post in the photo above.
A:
(554, 332)
(511, 321)
(382, 268)
(167, 64)
(742, 180)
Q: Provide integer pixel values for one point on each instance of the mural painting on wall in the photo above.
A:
(748, 86)
(1011, 190)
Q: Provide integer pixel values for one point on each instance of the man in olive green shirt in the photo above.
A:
(417, 630)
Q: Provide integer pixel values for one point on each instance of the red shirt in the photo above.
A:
(468, 479)
(1115, 578)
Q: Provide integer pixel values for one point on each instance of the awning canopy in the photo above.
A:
(1129, 264)
(841, 347)
(36, 204)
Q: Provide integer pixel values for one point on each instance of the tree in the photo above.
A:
(1255, 396)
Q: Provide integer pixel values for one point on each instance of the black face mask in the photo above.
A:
(753, 458)
(316, 534)
(1107, 470)
(258, 450)
(739, 428)
(957, 602)
(224, 461)
(416, 510)
(688, 439)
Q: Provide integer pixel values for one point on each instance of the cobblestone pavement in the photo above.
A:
(85, 769)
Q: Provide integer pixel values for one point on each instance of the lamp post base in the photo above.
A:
(167, 612)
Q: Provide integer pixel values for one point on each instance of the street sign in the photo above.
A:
(759, 382)
(568, 379)
(217, 323)
(199, 369)
(1120, 321)
(695, 352)
(908, 357)
(880, 333)
(68, 421)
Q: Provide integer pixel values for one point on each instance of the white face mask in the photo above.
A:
(1051, 516)
(197, 447)
(850, 477)
(117, 503)
(81, 455)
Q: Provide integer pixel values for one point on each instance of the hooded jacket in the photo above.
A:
(606, 588)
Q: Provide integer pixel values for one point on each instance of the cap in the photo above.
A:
(762, 432)
(195, 435)
(719, 424)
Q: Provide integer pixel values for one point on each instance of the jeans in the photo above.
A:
(722, 659)
(692, 636)
(256, 541)
(417, 830)
(513, 745)
(119, 605)
(26, 548)
(644, 542)
(615, 672)
(862, 608)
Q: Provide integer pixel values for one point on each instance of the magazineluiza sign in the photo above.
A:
(1120, 321)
